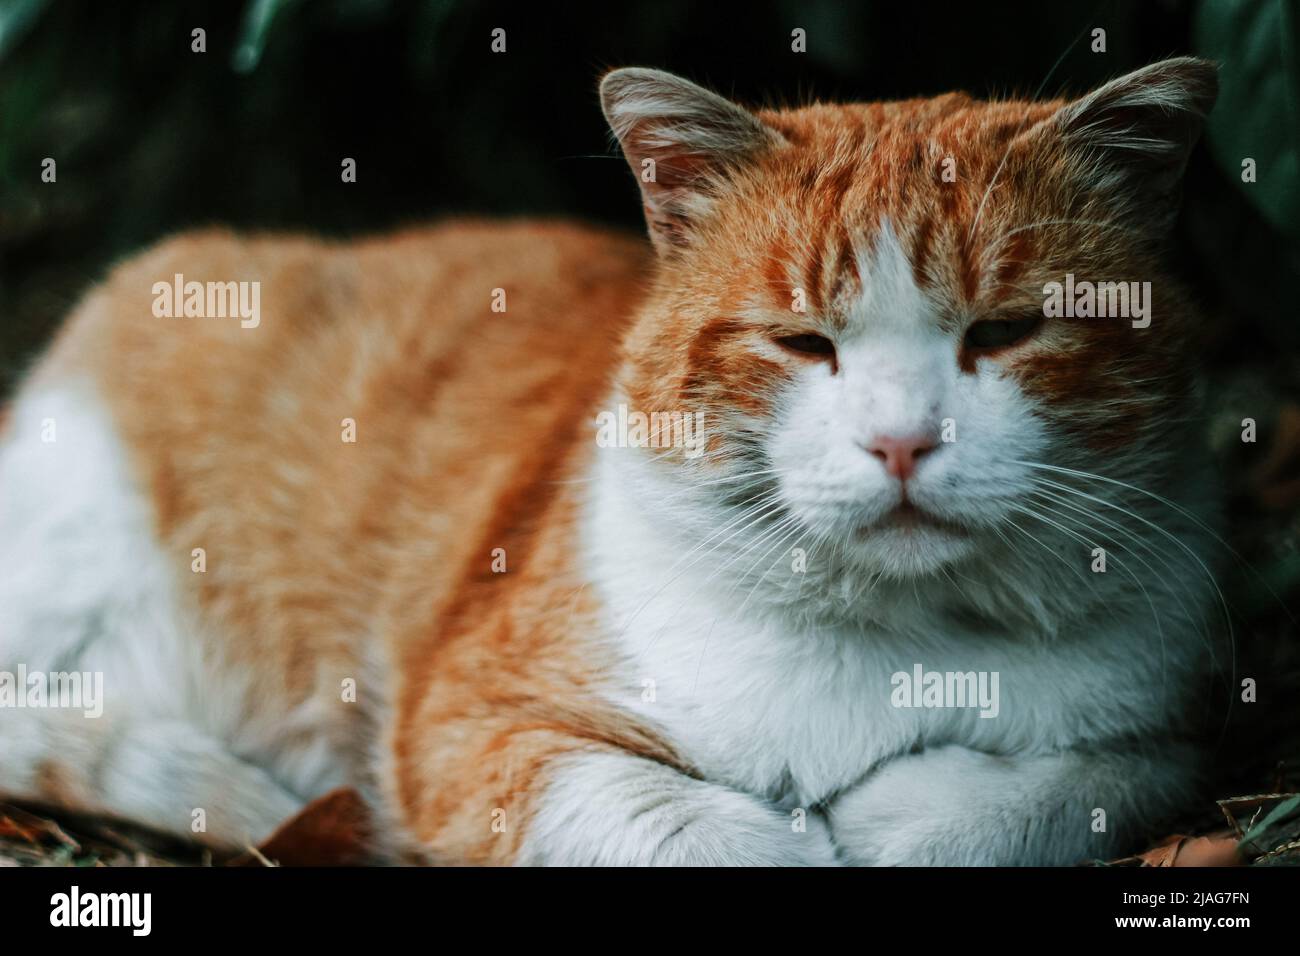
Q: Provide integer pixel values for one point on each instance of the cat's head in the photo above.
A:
(854, 297)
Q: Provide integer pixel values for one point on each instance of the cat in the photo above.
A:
(374, 541)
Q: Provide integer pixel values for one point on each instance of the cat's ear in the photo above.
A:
(1131, 137)
(681, 141)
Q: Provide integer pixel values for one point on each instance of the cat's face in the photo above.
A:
(855, 299)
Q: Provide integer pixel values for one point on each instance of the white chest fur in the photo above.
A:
(779, 705)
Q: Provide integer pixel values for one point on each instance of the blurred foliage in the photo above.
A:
(1258, 113)
(150, 137)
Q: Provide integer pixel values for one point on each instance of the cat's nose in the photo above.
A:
(900, 453)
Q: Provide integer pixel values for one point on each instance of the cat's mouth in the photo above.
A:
(908, 518)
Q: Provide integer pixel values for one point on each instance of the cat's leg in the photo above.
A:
(167, 774)
(86, 591)
(959, 807)
(611, 808)
(490, 793)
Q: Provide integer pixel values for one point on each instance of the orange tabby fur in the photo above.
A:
(468, 423)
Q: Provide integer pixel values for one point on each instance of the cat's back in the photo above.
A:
(334, 317)
(349, 444)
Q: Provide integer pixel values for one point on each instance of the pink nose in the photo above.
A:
(900, 453)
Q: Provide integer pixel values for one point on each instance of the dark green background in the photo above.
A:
(151, 138)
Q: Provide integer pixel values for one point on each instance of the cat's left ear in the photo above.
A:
(1130, 139)
(682, 142)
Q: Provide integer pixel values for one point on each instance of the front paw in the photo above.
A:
(613, 809)
(951, 806)
(729, 828)
(875, 825)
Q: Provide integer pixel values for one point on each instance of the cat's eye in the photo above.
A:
(989, 334)
(813, 346)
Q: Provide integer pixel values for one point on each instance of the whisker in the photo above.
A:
(1155, 615)
(1155, 527)
(768, 504)
(1223, 602)
(1176, 507)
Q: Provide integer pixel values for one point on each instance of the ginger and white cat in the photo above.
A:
(374, 541)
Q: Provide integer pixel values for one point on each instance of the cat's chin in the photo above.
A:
(912, 545)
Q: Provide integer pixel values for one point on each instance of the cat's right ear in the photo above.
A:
(681, 141)
(1131, 138)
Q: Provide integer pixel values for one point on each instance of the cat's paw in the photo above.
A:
(614, 809)
(871, 827)
(944, 807)
(734, 829)
(952, 806)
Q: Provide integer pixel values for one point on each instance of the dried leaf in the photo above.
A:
(21, 825)
(333, 830)
(1217, 849)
